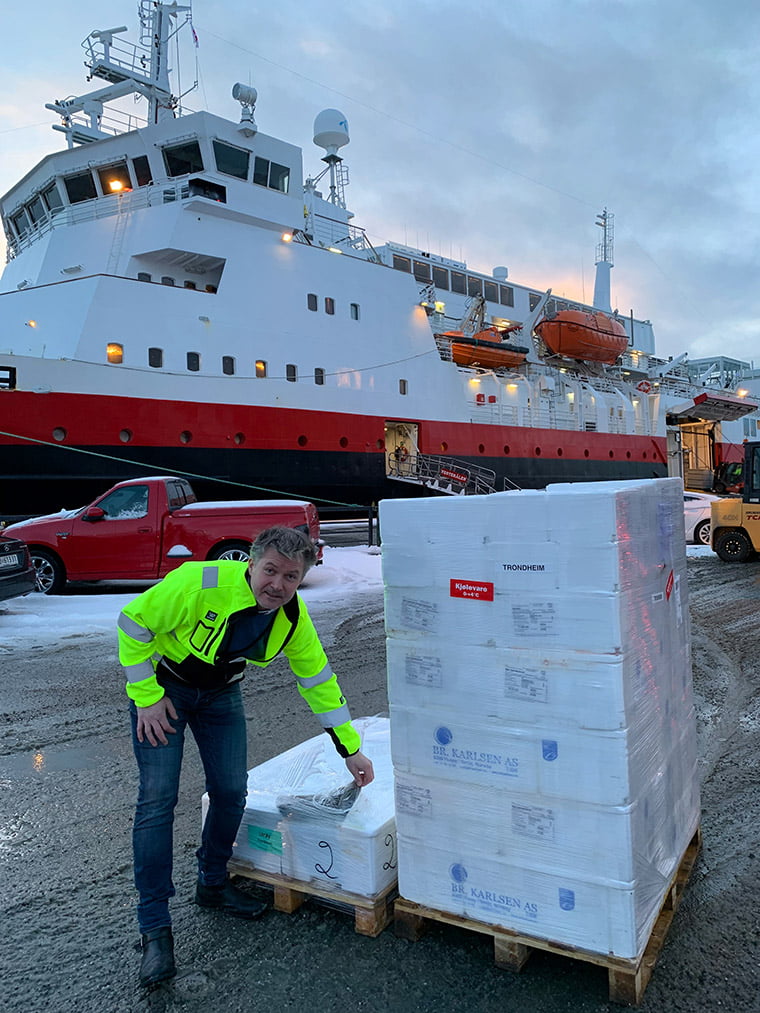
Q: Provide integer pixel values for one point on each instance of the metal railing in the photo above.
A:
(444, 474)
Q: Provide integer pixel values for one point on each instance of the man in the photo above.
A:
(184, 644)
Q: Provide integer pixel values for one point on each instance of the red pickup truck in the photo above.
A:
(143, 528)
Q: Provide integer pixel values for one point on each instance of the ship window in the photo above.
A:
(266, 173)
(474, 286)
(491, 291)
(403, 387)
(211, 289)
(183, 158)
(312, 302)
(189, 284)
(228, 365)
(21, 223)
(36, 210)
(114, 352)
(52, 198)
(421, 271)
(231, 161)
(261, 368)
(533, 300)
(141, 166)
(156, 357)
(354, 308)
(193, 361)
(114, 179)
(291, 373)
(458, 282)
(402, 263)
(506, 295)
(440, 277)
(205, 188)
(144, 276)
(319, 376)
(329, 305)
(167, 280)
(80, 186)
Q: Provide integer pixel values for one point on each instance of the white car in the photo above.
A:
(696, 514)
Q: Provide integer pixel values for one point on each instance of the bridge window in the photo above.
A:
(180, 159)
(491, 291)
(21, 223)
(440, 277)
(52, 199)
(402, 263)
(506, 295)
(271, 174)
(421, 271)
(36, 210)
(80, 187)
(231, 161)
(474, 286)
(533, 300)
(114, 179)
(458, 282)
(141, 167)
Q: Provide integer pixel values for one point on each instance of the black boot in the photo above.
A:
(157, 956)
(228, 898)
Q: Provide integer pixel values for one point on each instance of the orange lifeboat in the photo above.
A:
(576, 334)
(485, 348)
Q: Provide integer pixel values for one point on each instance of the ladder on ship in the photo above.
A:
(443, 474)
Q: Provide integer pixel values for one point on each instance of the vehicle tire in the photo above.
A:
(231, 550)
(51, 573)
(734, 546)
(702, 533)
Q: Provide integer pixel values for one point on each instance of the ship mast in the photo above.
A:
(129, 69)
(605, 261)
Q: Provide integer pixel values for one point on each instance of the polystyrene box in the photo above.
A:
(602, 767)
(600, 915)
(355, 853)
(536, 687)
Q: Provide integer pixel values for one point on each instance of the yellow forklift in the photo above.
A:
(734, 522)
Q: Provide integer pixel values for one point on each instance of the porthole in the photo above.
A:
(185, 436)
(538, 451)
(628, 454)
(612, 453)
(559, 451)
(586, 453)
(59, 433)
(302, 441)
(343, 441)
(481, 449)
(380, 444)
(444, 447)
(506, 448)
(238, 439)
(125, 435)
(644, 455)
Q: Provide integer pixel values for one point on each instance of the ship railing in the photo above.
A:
(114, 122)
(443, 474)
(339, 234)
(115, 59)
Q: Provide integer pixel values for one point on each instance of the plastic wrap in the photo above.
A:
(542, 714)
(306, 820)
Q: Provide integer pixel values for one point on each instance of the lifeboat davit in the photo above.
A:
(576, 334)
(485, 348)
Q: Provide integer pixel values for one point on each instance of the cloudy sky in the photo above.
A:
(493, 131)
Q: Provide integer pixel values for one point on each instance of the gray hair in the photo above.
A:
(289, 542)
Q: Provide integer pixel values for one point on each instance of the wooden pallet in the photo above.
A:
(371, 914)
(627, 978)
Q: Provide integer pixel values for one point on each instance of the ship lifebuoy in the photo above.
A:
(644, 386)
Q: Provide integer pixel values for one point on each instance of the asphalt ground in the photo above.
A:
(67, 905)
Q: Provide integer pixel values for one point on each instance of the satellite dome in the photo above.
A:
(331, 130)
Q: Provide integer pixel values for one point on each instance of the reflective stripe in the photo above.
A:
(315, 680)
(134, 630)
(210, 577)
(136, 673)
(331, 719)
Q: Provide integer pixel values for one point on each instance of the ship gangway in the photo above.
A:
(446, 475)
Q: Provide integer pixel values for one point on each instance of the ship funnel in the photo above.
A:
(331, 133)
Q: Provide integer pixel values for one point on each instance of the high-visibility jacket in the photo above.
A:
(184, 619)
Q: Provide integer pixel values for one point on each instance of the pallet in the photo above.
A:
(371, 914)
(628, 978)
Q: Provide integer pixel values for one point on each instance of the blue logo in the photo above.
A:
(566, 899)
(443, 735)
(549, 749)
(458, 873)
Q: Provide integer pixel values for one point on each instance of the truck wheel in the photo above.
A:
(734, 546)
(702, 533)
(51, 573)
(231, 550)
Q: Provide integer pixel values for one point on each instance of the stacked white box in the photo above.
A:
(283, 833)
(542, 721)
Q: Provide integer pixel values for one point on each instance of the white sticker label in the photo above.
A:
(535, 619)
(533, 821)
(414, 800)
(424, 670)
(522, 685)
(420, 615)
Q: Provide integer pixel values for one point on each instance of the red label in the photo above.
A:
(457, 476)
(669, 585)
(482, 590)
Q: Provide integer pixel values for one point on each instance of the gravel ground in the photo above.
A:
(69, 782)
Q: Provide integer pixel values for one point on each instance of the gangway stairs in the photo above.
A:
(445, 474)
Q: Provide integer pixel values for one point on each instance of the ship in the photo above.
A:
(179, 298)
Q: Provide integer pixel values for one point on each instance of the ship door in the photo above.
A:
(697, 446)
(675, 454)
(401, 448)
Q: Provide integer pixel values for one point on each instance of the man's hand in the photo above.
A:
(360, 769)
(153, 722)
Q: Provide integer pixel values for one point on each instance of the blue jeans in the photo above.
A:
(217, 721)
